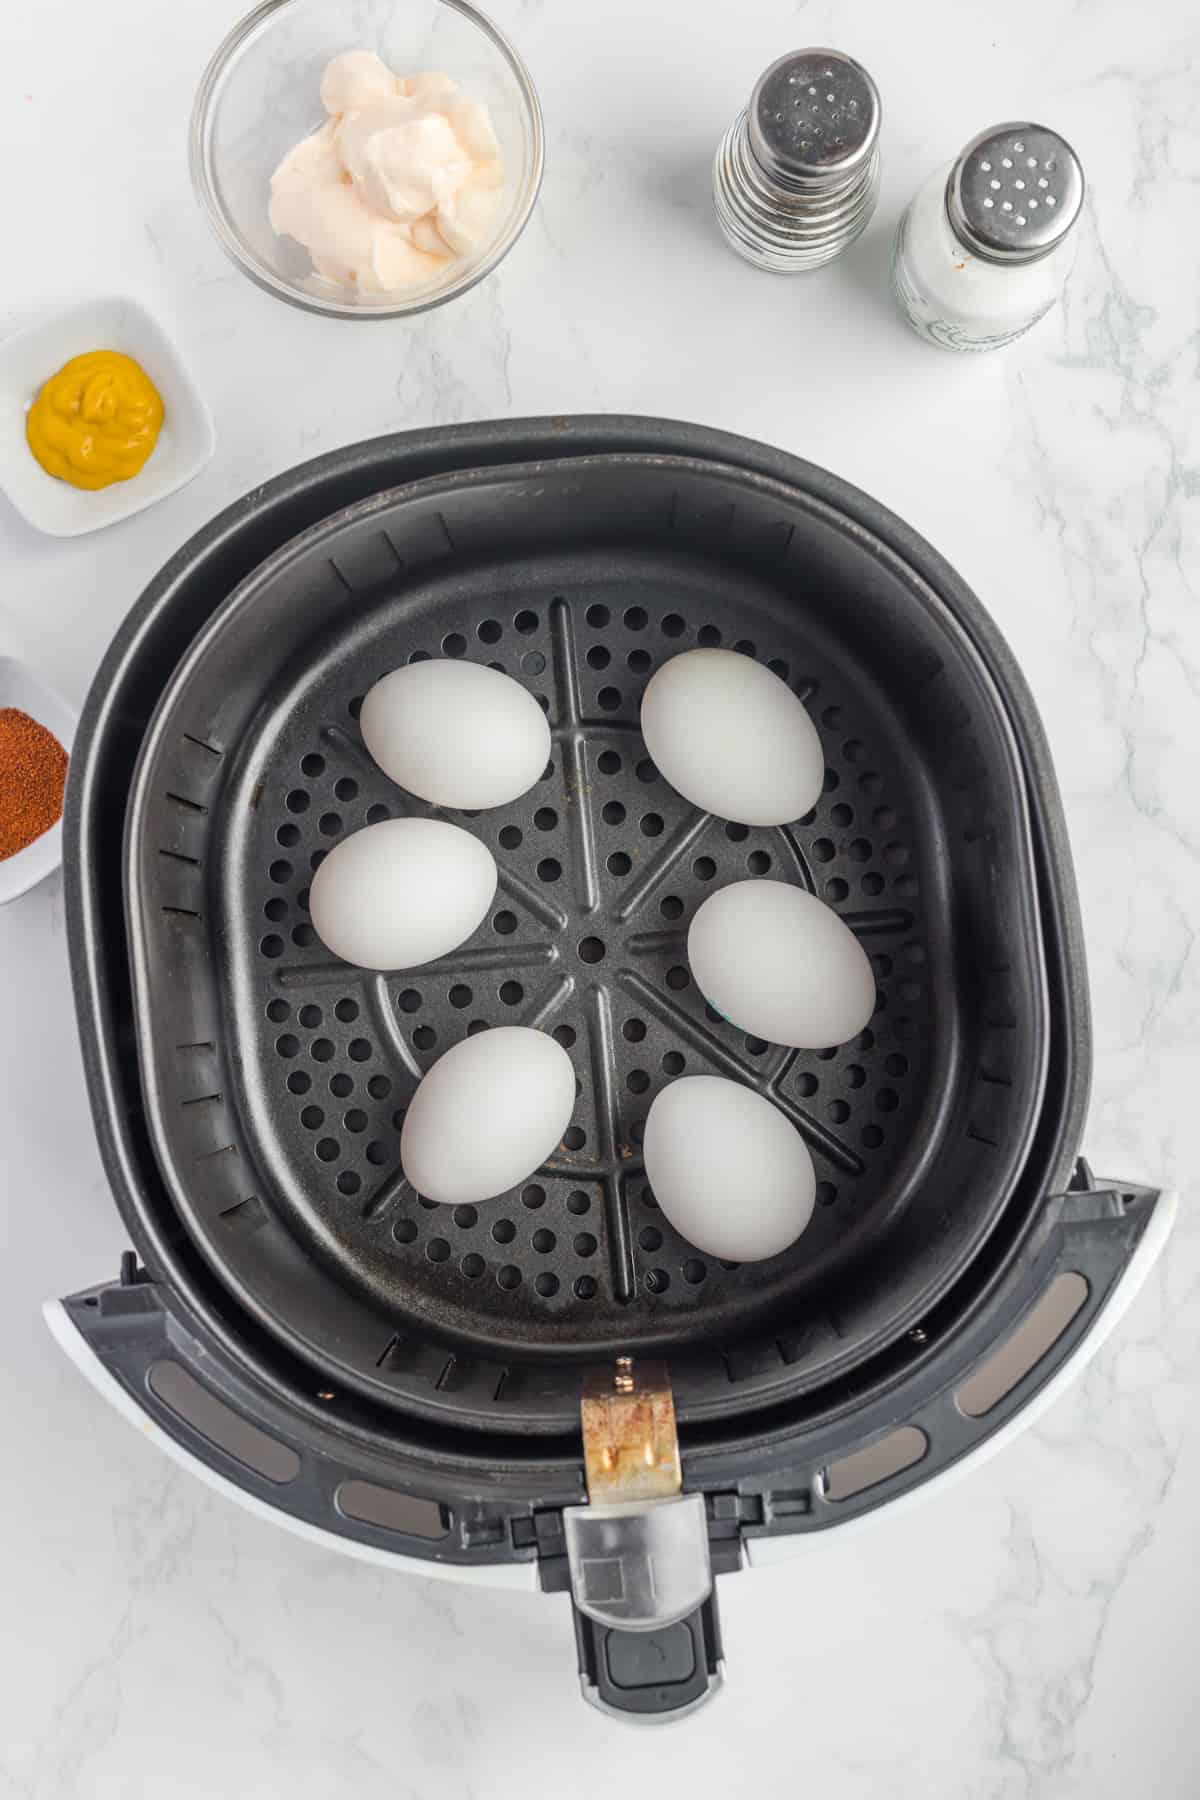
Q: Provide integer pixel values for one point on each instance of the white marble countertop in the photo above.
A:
(1032, 1635)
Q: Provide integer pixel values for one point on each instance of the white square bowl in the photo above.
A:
(185, 443)
(21, 688)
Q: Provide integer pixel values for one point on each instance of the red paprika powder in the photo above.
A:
(33, 774)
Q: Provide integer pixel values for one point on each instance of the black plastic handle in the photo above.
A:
(651, 1677)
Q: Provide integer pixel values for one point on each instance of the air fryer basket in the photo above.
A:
(265, 1422)
(276, 1079)
(184, 1303)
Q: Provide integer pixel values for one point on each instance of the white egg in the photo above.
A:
(728, 1170)
(780, 964)
(489, 1113)
(398, 894)
(732, 738)
(456, 733)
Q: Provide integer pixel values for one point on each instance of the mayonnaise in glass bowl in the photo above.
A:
(261, 94)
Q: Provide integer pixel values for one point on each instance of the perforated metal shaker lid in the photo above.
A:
(813, 116)
(1015, 192)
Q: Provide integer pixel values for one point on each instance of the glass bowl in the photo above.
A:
(261, 94)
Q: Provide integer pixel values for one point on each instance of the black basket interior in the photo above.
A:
(277, 1078)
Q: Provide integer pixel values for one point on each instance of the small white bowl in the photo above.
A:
(185, 443)
(21, 688)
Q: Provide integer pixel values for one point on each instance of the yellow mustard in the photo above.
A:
(96, 421)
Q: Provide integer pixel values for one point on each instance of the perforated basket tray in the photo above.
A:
(579, 577)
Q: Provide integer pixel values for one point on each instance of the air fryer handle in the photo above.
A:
(651, 1677)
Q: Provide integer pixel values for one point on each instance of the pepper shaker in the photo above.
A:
(796, 176)
(985, 247)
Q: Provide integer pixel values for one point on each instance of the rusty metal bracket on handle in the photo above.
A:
(638, 1552)
(630, 1446)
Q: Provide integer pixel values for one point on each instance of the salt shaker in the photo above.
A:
(986, 246)
(796, 176)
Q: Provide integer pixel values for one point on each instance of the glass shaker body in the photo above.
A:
(964, 291)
